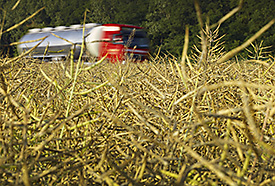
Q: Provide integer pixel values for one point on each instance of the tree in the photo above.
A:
(164, 20)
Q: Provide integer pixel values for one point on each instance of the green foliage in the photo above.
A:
(164, 20)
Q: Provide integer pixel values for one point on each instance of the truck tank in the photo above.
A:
(57, 47)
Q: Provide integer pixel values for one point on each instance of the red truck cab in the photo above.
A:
(119, 42)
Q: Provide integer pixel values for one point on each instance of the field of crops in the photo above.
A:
(163, 122)
(204, 119)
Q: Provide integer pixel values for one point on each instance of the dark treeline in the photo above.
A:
(164, 20)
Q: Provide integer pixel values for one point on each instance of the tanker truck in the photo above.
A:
(116, 41)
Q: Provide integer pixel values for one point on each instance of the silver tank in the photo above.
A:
(55, 47)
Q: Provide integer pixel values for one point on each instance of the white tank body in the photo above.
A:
(57, 47)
